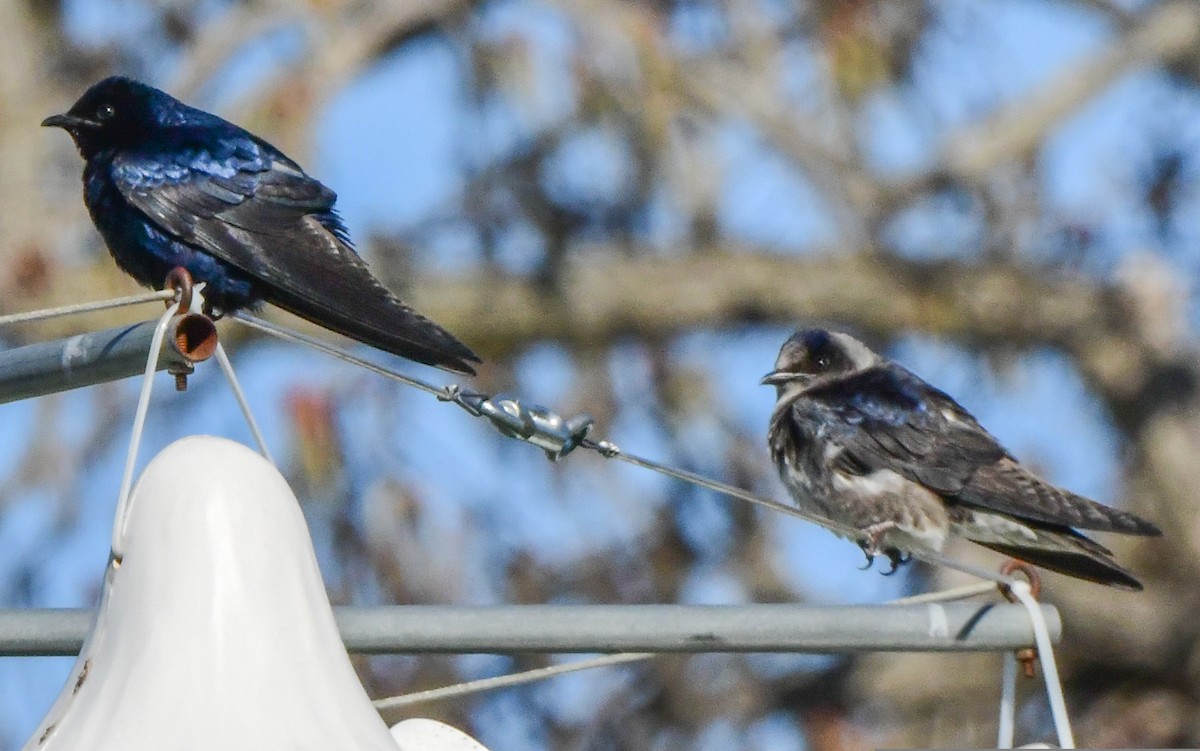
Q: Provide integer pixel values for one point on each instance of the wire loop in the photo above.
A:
(1013, 565)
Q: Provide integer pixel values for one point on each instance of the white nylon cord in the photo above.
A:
(139, 424)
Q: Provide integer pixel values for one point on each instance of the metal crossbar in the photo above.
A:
(515, 629)
(86, 359)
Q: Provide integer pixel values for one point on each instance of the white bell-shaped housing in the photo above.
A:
(422, 733)
(214, 630)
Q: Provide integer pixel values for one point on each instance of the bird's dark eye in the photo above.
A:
(822, 363)
(105, 112)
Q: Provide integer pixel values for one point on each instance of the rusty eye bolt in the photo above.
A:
(193, 335)
(1028, 655)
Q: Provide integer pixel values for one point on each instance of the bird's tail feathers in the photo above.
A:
(386, 323)
(1011, 489)
(1070, 553)
(1113, 520)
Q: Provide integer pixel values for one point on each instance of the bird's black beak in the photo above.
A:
(776, 377)
(69, 123)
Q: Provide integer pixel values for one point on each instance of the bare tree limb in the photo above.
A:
(613, 294)
(1165, 33)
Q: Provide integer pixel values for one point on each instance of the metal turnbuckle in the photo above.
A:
(532, 423)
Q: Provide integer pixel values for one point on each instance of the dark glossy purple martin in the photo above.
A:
(867, 444)
(169, 185)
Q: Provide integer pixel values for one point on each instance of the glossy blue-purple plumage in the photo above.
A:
(169, 185)
(147, 253)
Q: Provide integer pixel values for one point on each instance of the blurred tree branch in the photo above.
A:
(613, 294)
(1166, 32)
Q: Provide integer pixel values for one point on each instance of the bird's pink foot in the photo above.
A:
(873, 536)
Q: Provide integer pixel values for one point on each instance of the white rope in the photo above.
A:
(1008, 701)
(87, 307)
(227, 368)
(505, 681)
(139, 424)
(1054, 690)
(139, 419)
(946, 595)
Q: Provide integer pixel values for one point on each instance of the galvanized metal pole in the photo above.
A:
(100, 356)
(507, 629)
(939, 627)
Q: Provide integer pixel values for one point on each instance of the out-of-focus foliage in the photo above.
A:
(624, 207)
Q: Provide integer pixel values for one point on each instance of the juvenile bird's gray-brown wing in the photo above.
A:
(1068, 552)
(253, 208)
(1057, 548)
(887, 418)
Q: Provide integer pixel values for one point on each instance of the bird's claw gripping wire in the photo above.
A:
(532, 423)
(871, 545)
(895, 557)
(1027, 656)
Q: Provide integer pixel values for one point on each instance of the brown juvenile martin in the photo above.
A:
(862, 441)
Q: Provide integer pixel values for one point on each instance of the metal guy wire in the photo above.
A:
(558, 436)
(88, 307)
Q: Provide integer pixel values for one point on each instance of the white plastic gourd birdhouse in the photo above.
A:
(214, 631)
(420, 733)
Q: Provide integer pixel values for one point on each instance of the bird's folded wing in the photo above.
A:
(887, 418)
(260, 213)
